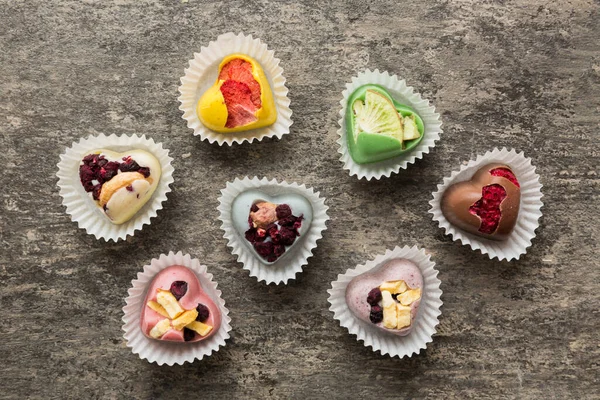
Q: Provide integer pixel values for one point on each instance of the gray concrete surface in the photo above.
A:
(522, 74)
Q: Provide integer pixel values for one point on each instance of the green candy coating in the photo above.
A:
(369, 147)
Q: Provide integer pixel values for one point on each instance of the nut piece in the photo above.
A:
(184, 319)
(166, 299)
(158, 308)
(410, 296)
(199, 327)
(160, 328)
(265, 215)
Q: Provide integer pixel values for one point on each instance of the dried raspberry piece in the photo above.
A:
(283, 210)
(374, 296)
(96, 192)
(287, 221)
(86, 175)
(90, 158)
(278, 250)
(505, 173)
(203, 312)
(288, 236)
(129, 188)
(102, 161)
(264, 249)
(271, 257)
(298, 222)
(376, 315)
(254, 208)
(188, 334)
(179, 289)
(144, 171)
(250, 235)
(488, 207)
(129, 166)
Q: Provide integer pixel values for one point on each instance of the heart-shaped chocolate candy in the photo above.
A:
(271, 225)
(241, 98)
(120, 183)
(388, 296)
(177, 309)
(378, 127)
(487, 205)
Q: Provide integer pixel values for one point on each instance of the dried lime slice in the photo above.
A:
(378, 116)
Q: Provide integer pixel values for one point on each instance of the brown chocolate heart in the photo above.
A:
(487, 205)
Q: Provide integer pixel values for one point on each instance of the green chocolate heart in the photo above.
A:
(369, 147)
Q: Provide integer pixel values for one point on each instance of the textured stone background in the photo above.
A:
(522, 74)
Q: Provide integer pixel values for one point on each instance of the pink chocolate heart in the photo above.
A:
(393, 270)
(195, 295)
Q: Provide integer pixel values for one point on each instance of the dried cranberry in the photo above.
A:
(264, 249)
(287, 221)
(96, 192)
(179, 289)
(271, 257)
(102, 161)
(376, 315)
(107, 174)
(254, 208)
(287, 236)
(250, 222)
(129, 166)
(283, 210)
(278, 250)
(188, 334)
(203, 312)
(374, 296)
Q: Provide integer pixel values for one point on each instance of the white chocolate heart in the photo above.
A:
(126, 193)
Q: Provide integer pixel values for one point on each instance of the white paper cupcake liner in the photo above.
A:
(404, 94)
(202, 74)
(163, 352)
(287, 266)
(427, 316)
(83, 208)
(529, 209)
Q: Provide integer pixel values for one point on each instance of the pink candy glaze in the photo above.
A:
(190, 300)
(393, 270)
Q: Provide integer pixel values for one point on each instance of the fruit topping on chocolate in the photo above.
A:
(391, 304)
(178, 289)
(176, 317)
(272, 228)
(203, 313)
(240, 99)
(487, 205)
(118, 183)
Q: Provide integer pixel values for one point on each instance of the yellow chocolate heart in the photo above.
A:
(239, 109)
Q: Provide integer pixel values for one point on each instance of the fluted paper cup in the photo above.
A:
(427, 317)
(404, 94)
(287, 266)
(80, 205)
(529, 210)
(164, 352)
(202, 73)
